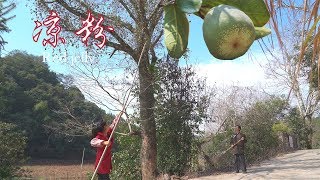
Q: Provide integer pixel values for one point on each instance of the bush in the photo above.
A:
(262, 141)
(316, 134)
(181, 106)
(12, 146)
(126, 158)
(281, 127)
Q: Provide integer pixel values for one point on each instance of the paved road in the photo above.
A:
(304, 165)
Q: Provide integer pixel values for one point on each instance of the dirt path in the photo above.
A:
(304, 164)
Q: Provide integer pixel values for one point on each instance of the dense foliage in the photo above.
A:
(126, 158)
(36, 101)
(180, 109)
(12, 146)
(316, 136)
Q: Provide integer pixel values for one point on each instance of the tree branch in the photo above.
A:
(123, 46)
(113, 18)
(128, 10)
(154, 43)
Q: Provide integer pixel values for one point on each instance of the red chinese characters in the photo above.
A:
(52, 23)
(90, 26)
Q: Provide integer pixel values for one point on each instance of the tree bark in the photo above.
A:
(295, 141)
(308, 121)
(147, 101)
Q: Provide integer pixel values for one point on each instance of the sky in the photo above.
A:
(244, 71)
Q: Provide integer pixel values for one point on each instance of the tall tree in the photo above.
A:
(181, 106)
(136, 25)
(298, 78)
(295, 66)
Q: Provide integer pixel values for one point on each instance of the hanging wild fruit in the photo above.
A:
(229, 29)
(228, 32)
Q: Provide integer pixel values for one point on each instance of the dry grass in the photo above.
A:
(57, 170)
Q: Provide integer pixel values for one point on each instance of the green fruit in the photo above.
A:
(228, 32)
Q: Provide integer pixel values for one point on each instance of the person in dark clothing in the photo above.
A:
(237, 142)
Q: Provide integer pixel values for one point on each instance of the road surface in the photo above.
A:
(304, 165)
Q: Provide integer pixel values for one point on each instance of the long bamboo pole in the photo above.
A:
(118, 118)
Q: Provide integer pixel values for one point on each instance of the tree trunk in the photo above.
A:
(308, 120)
(295, 144)
(286, 144)
(147, 101)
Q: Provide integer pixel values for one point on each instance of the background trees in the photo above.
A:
(256, 122)
(294, 66)
(35, 101)
(297, 74)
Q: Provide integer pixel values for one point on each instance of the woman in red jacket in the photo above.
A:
(100, 140)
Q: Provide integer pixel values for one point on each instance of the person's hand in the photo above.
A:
(242, 138)
(105, 143)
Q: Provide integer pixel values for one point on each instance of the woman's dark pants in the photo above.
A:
(103, 177)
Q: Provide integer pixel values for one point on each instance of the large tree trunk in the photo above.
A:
(147, 101)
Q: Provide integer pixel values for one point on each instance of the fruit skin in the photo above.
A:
(228, 32)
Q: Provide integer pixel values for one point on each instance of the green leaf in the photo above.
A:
(261, 32)
(189, 6)
(255, 9)
(176, 31)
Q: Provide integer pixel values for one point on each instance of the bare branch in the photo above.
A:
(122, 46)
(128, 10)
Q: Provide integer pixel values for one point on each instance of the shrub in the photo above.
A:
(12, 146)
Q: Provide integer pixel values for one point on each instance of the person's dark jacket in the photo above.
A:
(239, 148)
